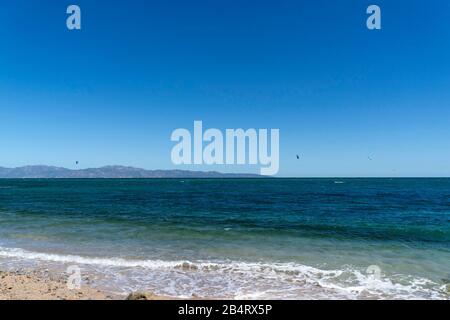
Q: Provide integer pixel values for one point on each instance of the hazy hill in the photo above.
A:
(110, 172)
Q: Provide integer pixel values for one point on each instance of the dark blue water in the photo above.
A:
(274, 238)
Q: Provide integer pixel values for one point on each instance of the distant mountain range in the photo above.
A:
(49, 172)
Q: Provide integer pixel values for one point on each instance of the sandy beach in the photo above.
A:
(41, 285)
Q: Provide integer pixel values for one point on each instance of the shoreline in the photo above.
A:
(42, 285)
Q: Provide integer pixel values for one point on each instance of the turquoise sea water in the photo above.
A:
(236, 238)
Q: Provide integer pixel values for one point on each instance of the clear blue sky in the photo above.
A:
(113, 92)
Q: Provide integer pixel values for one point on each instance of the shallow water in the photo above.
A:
(255, 238)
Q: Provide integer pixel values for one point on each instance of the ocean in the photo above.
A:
(235, 238)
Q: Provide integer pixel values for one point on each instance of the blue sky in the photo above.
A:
(113, 92)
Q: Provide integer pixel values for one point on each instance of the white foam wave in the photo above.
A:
(106, 262)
